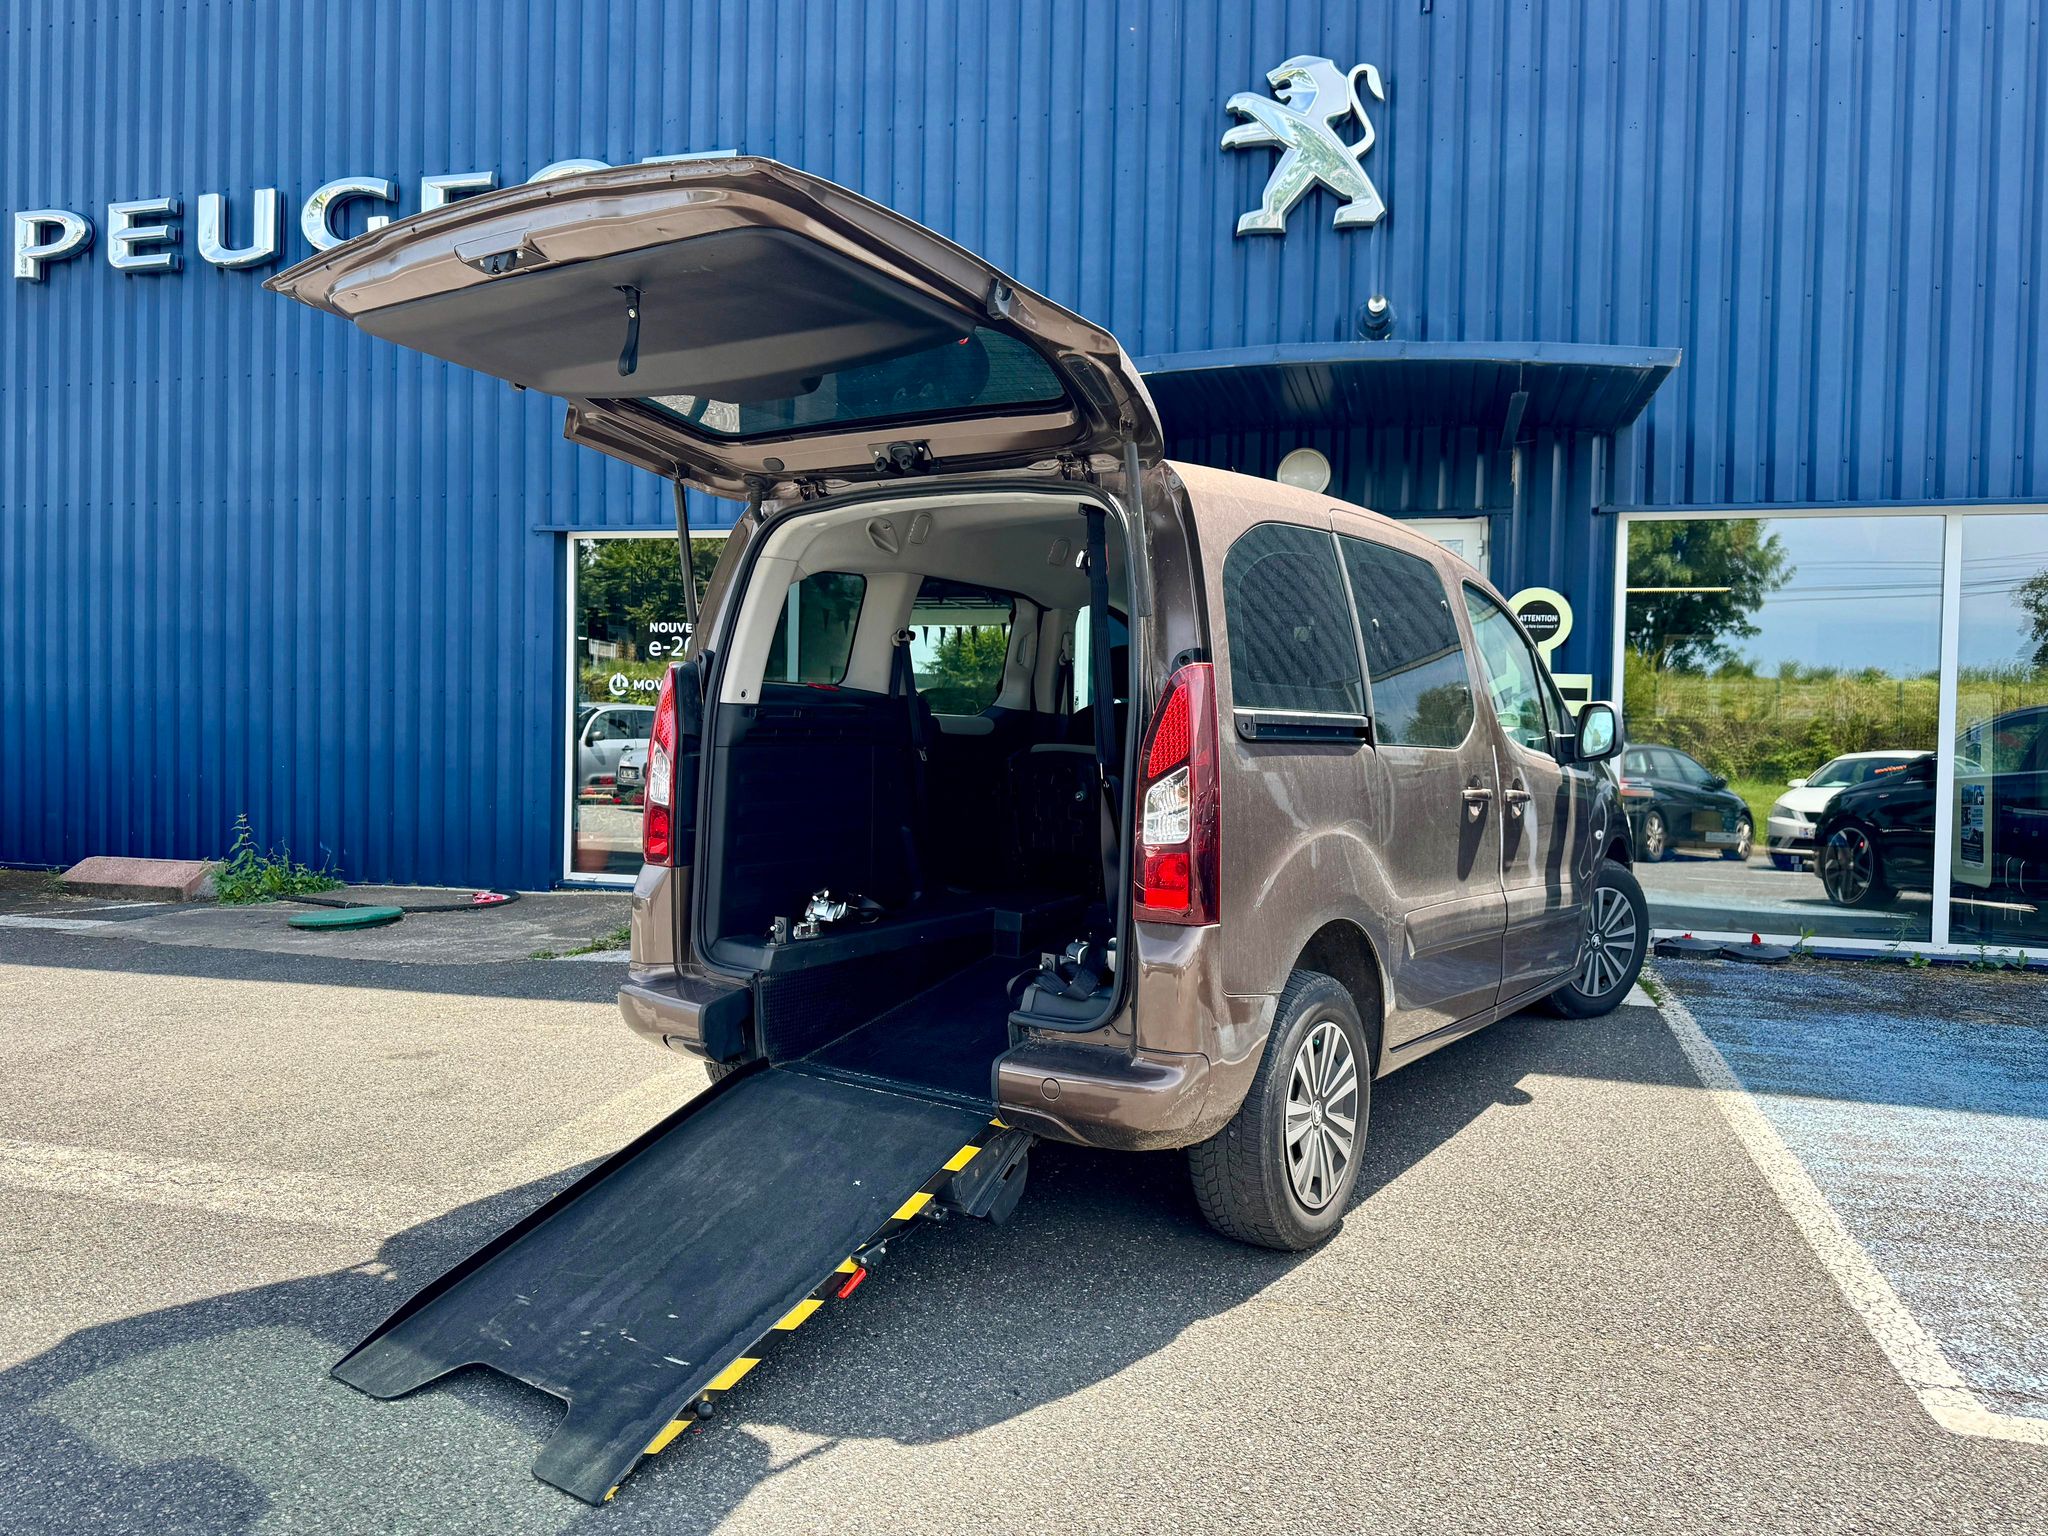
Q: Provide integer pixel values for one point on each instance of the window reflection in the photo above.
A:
(1999, 851)
(628, 626)
(1781, 692)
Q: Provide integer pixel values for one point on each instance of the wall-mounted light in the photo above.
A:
(1376, 318)
(1305, 470)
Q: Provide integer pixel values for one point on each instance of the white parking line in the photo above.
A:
(267, 1194)
(1914, 1354)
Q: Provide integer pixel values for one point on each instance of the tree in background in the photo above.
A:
(1723, 571)
(2032, 597)
(624, 585)
(966, 670)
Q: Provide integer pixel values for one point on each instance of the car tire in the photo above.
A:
(1851, 868)
(1251, 1181)
(718, 1071)
(1611, 955)
(1785, 861)
(1745, 843)
(1656, 838)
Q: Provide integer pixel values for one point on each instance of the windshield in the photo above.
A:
(1857, 770)
(980, 371)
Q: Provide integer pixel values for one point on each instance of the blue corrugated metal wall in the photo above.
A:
(251, 560)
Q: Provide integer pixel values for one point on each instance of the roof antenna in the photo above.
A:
(629, 354)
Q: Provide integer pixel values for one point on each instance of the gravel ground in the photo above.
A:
(1566, 1300)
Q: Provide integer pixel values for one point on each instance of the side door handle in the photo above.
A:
(1516, 798)
(1477, 798)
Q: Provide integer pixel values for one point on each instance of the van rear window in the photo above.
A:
(982, 371)
(814, 638)
(1291, 643)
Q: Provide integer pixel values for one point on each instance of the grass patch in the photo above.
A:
(252, 874)
(614, 938)
(1651, 986)
(1759, 795)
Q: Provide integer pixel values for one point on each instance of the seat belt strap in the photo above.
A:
(1102, 697)
(903, 682)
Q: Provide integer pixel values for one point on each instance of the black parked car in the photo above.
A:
(1877, 839)
(1675, 802)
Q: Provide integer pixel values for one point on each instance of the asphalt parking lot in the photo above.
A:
(1584, 1289)
(1710, 893)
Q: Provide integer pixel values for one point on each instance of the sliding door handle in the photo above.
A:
(1477, 798)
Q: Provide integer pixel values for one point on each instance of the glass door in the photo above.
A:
(626, 626)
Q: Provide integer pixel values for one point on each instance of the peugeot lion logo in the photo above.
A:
(1314, 96)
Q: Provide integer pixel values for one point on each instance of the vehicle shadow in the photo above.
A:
(217, 1415)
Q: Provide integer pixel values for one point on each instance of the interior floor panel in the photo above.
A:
(945, 1039)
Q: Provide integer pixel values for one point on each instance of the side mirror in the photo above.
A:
(1715, 781)
(1599, 733)
(1795, 783)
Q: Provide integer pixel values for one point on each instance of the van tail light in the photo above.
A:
(1177, 854)
(658, 815)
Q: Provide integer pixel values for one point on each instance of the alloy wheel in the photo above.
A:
(1653, 837)
(1745, 839)
(1322, 1114)
(1848, 865)
(1610, 942)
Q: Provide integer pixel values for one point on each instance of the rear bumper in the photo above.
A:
(1104, 1098)
(687, 1013)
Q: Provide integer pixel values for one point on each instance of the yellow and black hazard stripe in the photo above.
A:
(841, 1283)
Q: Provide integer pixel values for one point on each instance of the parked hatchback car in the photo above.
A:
(603, 734)
(1877, 839)
(1675, 801)
(1790, 824)
(1325, 815)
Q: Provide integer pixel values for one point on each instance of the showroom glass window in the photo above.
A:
(1762, 649)
(1998, 850)
(627, 625)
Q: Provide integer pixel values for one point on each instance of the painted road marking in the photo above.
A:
(267, 1194)
(1913, 1352)
(597, 1132)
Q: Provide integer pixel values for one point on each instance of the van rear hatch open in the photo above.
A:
(738, 324)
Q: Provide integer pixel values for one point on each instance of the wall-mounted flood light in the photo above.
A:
(1305, 470)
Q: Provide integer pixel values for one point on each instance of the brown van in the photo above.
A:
(1015, 778)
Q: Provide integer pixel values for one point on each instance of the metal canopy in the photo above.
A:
(1570, 386)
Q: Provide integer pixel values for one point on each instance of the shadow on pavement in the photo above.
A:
(569, 981)
(218, 1415)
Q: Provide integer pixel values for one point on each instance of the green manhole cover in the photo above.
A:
(349, 917)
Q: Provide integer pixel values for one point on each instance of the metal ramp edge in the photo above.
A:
(665, 1274)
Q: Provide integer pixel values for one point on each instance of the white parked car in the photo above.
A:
(602, 734)
(629, 778)
(1792, 817)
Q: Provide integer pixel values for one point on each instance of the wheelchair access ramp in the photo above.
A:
(652, 1281)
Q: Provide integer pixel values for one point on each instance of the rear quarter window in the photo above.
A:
(814, 637)
(1292, 646)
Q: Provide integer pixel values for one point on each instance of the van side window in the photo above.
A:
(1421, 690)
(959, 643)
(814, 638)
(1291, 640)
(1510, 672)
